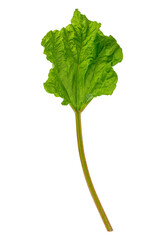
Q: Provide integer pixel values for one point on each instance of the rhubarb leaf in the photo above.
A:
(83, 59)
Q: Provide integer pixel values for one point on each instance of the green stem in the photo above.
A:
(86, 172)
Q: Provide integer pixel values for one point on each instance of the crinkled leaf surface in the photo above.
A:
(83, 59)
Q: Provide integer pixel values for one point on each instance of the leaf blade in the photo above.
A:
(83, 59)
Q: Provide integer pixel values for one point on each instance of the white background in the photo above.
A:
(43, 193)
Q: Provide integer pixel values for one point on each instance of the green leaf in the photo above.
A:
(83, 59)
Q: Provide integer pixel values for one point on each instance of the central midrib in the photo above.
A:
(77, 83)
(78, 72)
